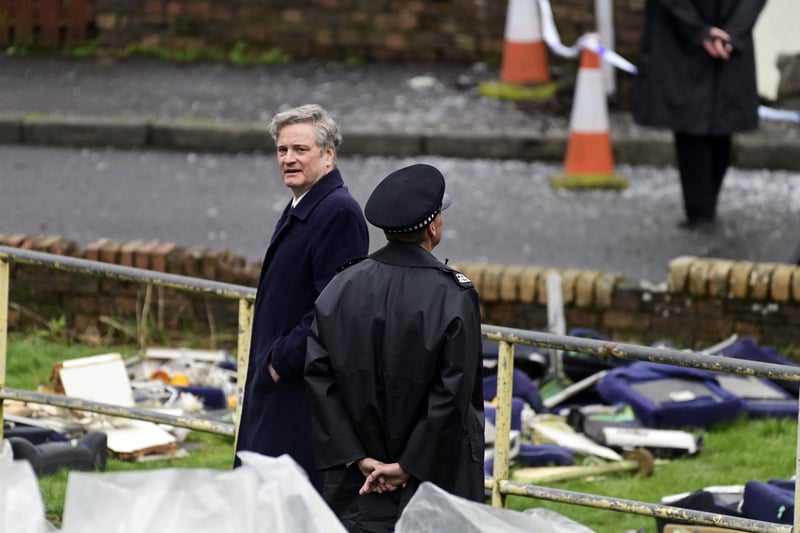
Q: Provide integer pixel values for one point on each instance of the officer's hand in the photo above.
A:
(385, 478)
(367, 465)
(272, 372)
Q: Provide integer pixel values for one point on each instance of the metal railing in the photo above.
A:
(245, 295)
(499, 483)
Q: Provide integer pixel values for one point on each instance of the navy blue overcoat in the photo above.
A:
(325, 230)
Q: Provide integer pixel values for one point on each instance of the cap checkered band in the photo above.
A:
(417, 226)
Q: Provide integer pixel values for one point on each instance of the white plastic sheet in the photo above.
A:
(21, 507)
(265, 494)
(432, 510)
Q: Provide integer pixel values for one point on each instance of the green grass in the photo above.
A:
(30, 360)
(732, 453)
(31, 357)
(207, 451)
(84, 50)
(238, 54)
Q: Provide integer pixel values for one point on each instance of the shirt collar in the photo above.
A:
(296, 201)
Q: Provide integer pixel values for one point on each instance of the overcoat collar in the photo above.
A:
(406, 254)
(322, 188)
(327, 183)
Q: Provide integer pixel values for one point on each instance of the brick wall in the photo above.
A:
(373, 30)
(702, 302)
(111, 307)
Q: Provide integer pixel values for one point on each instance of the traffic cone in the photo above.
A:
(589, 162)
(524, 52)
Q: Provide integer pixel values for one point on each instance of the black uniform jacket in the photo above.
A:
(393, 369)
(679, 86)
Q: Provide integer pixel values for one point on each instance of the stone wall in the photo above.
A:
(702, 302)
(344, 30)
(93, 306)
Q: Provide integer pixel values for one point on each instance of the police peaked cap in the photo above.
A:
(408, 199)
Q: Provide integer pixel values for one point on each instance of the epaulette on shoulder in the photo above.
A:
(349, 264)
(462, 280)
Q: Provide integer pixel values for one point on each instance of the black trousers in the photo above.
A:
(702, 164)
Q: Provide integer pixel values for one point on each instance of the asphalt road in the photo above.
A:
(503, 212)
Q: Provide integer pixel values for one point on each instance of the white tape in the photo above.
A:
(618, 61)
(588, 40)
(592, 42)
(768, 113)
(550, 33)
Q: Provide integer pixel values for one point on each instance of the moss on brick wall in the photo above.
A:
(378, 30)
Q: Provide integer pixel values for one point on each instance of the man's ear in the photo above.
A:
(330, 152)
(431, 229)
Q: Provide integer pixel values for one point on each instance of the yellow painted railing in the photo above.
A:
(499, 484)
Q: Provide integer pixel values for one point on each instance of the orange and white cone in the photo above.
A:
(524, 52)
(589, 161)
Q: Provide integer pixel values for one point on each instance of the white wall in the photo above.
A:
(777, 32)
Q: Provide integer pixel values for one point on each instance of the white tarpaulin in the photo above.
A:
(21, 507)
(432, 510)
(265, 494)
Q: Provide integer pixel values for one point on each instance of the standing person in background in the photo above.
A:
(321, 228)
(393, 366)
(697, 78)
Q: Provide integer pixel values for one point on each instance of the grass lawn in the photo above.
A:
(31, 357)
(732, 453)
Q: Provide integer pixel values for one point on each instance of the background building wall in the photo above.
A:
(775, 34)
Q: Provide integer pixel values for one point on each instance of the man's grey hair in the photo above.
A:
(326, 130)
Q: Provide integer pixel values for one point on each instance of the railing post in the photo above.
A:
(242, 356)
(4, 290)
(505, 373)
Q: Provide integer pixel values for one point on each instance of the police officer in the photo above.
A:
(393, 365)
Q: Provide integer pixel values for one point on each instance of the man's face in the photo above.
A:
(300, 161)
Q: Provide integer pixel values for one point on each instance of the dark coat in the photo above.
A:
(393, 372)
(679, 86)
(325, 230)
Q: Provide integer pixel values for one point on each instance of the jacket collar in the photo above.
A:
(322, 188)
(406, 254)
